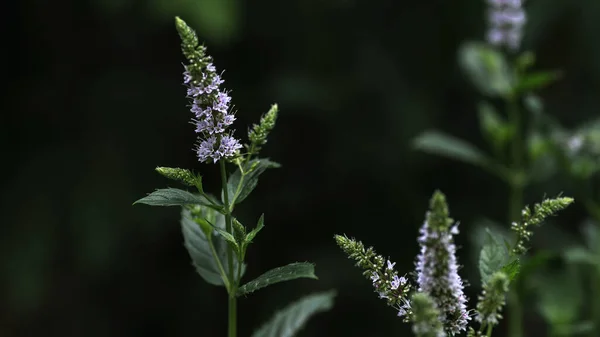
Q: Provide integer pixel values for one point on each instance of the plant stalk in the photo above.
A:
(515, 322)
(232, 307)
(594, 210)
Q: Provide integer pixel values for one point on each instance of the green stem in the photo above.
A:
(594, 211)
(515, 324)
(489, 331)
(232, 331)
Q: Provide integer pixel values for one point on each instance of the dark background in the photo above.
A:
(93, 102)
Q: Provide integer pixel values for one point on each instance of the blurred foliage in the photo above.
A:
(94, 102)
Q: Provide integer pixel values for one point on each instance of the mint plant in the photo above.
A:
(433, 301)
(510, 116)
(216, 240)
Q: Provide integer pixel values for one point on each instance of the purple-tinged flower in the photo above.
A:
(390, 265)
(211, 108)
(506, 20)
(437, 268)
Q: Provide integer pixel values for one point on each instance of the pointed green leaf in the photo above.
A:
(537, 80)
(439, 143)
(259, 226)
(288, 321)
(175, 197)
(290, 272)
(241, 185)
(493, 257)
(196, 242)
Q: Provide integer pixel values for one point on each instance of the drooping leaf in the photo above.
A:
(290, 272)
(197, 245)
(493, 257)
(175, 197)
(241, 185)
(288, 321)
(574, 329)
(445, 145)
(487, 69)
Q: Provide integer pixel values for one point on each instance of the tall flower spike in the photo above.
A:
(209, 103)
(437, 269)
(506, 21)
(387, 283)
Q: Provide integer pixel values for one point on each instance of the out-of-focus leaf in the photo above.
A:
(487, 69)
(536, 80)
(448, 146)
(560, 296)
(493, 257)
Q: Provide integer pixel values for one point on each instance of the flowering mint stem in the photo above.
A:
(515, 205)
(232, 331)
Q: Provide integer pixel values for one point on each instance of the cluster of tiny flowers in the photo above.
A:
(437, 275)
(210, 106)
(392, 288)
(506, 21)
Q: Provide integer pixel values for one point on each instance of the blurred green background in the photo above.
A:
(93, 102)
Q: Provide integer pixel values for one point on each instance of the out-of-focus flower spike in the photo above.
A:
(437, 267)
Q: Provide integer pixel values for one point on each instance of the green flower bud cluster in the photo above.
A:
(190, 46)
(540, 212)
(259, 132)
(492, 299)
(182, 175)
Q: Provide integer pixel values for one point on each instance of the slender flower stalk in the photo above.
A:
(437, 268)
(506, 21)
